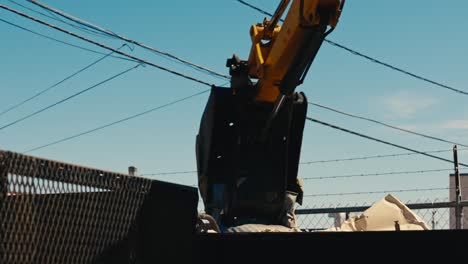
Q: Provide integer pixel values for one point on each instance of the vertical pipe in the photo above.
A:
(132, 171)
(458, 207)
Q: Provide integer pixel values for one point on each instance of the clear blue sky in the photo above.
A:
(425, 37)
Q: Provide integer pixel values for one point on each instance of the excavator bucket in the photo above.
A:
(242, 176)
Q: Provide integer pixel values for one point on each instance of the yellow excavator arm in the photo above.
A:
(249, 142)
(278, 51)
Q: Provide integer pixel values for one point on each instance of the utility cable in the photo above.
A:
(419, 77)
(58, 83)
(62, 42)
(356, 53)
(52, 16)
(325, 161)
(386, 125)
(316, 178)
(117, 122)
(256, 8)
(104, 46)
(168, 173)
(376, 192)
(375, 174)
(68, 98)
(381, 141)
(120, 121)
(111, 33)
(32, 10)
(377, 156)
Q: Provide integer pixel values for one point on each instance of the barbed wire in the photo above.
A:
(377, 192)
(379, 156)
(375, 174)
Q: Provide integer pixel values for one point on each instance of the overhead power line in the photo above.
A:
(57, 84)
(419, 77)
(105, 47)
(381, 141)
(62, 42)
(375, 157)
(52, 16)
(316, 178)
(256, 8)
(32, 10)
(386, 125)
(113, 34)
(116, 122)
(324, 161)
(68, 98)
(376, 192)
(359, 54)
(168, 173)
(375, 174)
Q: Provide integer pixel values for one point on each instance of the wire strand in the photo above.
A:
(257, 8)
(57, 84)
(168, 173)
(375, 157)
(67, 98)
(375, 174)
(419, 77)
(316, 178)
(116, 122)
(376, 192)
(104, 46)
(61, 41)
(359, 54)
(52, 16)
(381, 141)
(111, 33)
(386, 125)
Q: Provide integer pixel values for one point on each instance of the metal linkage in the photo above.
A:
(54, 212)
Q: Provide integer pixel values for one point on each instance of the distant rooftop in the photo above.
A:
(461, 175)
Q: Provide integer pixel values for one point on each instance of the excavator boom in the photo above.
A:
(281, 55)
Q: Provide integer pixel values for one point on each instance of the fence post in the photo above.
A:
(458, 195)
(3, 178)
(433, 222)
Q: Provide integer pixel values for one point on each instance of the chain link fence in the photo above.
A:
(438, 215)
(53, 212)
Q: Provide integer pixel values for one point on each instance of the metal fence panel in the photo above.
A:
(54, 212)
(437, 215)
